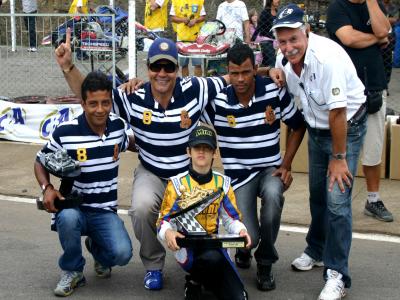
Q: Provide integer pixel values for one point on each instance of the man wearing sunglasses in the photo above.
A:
(162, 113)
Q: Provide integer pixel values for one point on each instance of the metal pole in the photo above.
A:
(13, 30)
(113, 52)
(132, 40)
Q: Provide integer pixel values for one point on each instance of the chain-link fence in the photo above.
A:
(27, 50)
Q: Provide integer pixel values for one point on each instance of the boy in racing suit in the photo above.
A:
(211, 268)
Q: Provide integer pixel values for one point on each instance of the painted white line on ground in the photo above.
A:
(17, 199)
(356, 235)
(286, 228)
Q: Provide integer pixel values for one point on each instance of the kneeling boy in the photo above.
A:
(211, 268)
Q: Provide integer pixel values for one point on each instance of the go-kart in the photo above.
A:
(213, 39)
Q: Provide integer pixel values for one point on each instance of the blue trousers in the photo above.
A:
(111, 244)
(330, 233)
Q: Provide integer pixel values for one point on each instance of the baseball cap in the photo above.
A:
(290, 16)
(203, 135)
(163, 48)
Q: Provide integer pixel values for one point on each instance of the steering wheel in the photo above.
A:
(221, 27)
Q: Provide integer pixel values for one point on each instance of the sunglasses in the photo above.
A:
(168, 67)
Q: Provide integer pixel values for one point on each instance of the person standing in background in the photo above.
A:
(188, 15)
(30, 7)
(267, 17)
(156, 16)
(79, 7)
(392, 12)
(233, 13)
(253, 18)
(361, 28)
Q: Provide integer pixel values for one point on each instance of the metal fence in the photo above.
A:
(27, 62)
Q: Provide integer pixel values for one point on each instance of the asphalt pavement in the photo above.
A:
(29, 269)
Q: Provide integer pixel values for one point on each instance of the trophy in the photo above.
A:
(61, 165)
(191, 204)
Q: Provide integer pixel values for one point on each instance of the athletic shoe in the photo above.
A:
(192, 289)
(265, 278)
(100, 270)
(334, 287)
(32, 49)
(305, 263)
(153, 280)
(68, 282)
(243, 259)
(378, 211)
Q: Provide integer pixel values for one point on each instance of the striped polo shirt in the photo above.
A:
(98, 157)
(248, 137)
(161, 135)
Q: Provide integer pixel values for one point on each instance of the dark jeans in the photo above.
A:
(330, 233)
(214, 269)
(30, 25)
(263, 231)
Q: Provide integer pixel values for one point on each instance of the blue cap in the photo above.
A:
(163, 48)
(290, 16)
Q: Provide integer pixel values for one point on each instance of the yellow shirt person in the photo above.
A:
(156, 15)
(188, 16)
(79, 7)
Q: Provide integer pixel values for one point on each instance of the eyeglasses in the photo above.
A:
(168, 67)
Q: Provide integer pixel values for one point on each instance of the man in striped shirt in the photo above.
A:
(246, 116)
(95, 139)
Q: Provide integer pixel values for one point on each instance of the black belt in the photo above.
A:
(359, 115)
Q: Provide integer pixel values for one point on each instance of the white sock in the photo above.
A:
(373, 197)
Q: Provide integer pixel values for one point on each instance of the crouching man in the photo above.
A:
(95, 139)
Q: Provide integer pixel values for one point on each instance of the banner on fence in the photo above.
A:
(33, 123)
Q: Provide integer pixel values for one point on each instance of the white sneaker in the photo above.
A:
(305, 263)
(32, 49)
(334, 287)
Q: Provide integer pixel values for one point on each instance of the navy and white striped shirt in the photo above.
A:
(248, 137)
(161, 135)
(98, 157)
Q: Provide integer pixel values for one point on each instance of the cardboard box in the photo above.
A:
(283, 136)
(384, 156)
(394, 152)
(300, 161)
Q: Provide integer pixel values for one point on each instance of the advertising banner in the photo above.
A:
(33, 123)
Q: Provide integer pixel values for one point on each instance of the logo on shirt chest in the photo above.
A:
(270, 115)
(186, 122)
(231, 120)
(335, 91)
(147, 117)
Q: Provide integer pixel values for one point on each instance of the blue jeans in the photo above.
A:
(263, 232)
(111, 244)
(184, 61)
(330, 233)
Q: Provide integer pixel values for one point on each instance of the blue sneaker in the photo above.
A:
(153, 280)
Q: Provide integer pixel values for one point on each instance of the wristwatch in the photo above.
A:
(339, 156)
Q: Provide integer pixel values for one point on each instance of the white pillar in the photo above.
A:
(111, 3)
(132, 39)
(13, 33)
